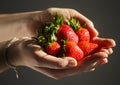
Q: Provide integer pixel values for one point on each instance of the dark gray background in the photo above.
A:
(106, 17)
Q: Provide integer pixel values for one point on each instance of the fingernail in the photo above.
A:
(93, 69)
(104, 61)
(72, 63)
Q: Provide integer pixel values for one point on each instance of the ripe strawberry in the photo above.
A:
(87, 47)
(82, 33)
(66, 32)
(53, 48)
(73, 50)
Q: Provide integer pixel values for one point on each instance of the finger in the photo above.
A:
(101, 62)
(93, 69)
(59, 73)
(90, 62)
(104, 50)
(53, 62)
(84, 20)
(105, 42)
(52, 73)
(97, 64)
(109, 51)
(60, 11)
(104, 61)
(93, 58)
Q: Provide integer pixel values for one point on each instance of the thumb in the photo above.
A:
(71, 62)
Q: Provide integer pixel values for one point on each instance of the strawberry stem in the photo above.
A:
(63, 46)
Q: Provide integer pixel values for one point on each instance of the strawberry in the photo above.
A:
(82, 33)
(87, 47)
(73, 50)
(77, 44)
(66, 31)
(53, 48)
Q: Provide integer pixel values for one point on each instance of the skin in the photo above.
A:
(25, 51)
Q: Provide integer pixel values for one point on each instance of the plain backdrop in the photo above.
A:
(106, 18)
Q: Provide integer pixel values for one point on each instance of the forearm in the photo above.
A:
(15, 25)
(11, 25)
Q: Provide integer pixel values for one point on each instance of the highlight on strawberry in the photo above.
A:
(60, 38)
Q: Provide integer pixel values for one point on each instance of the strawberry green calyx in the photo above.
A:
(58, 20)
(74, 24)
(42, 40)
(49, 31)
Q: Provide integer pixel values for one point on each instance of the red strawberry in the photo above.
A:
(66, 32)
(53, 48)
(83, 34)
(73, 50)
(87, 47)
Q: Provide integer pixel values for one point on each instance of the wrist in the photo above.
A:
(5, 58)
(6, 55)
(12, 52)
(3, 65)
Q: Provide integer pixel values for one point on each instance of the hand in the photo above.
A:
(68, 13)
(88, 64)
(27, 52)
(40, 18)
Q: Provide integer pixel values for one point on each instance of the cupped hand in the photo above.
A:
(88, 64)
(39, 19)
(27, 52)
(68, 13)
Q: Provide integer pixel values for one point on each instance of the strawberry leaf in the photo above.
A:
(50, 29)
(58, 20)
(74, 24)
(42, 40)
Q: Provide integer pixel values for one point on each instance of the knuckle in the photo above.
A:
(49, 9)
(52, 9)
(90, 23)
(72, 10)
(61, 63)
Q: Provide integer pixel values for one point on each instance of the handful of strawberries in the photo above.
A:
(60, 38)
